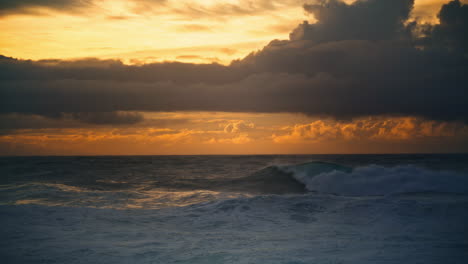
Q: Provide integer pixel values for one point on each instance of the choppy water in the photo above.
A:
(235, 209)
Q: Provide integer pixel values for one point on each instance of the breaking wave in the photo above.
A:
(376, 180)
(313, 177)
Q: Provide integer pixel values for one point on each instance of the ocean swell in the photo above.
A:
(377, 180)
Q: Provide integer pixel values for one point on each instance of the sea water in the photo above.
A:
(235, 209)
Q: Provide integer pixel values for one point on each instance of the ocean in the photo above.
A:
(291, 209)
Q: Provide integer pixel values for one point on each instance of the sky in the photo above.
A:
(159, 77)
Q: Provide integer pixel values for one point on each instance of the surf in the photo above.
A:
(337, 179)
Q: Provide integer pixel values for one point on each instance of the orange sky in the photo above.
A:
(241, 133)
(198, 31)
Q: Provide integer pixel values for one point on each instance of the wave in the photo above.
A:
(278, 179)
(376, 180)
(332, 178)
(313, 177)
(270, 180)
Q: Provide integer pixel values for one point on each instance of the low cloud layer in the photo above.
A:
(360, 59)
(372, 129)
(256, 133)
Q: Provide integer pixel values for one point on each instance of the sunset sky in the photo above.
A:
(143, 77)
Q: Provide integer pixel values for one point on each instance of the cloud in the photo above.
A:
(106, 118)
(452, 31)
(193, 27)
(188, 9)
(363, 135)
(358, 60)
(82, 141)
(373, 129)
(112, 70)
(220, 9)
(8, 7)
(240, 139)
(9, 123)
(238, 126)
(370, 20)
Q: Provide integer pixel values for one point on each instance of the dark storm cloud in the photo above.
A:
(106, 118)
(370, 20)
(68, 120)
(11, 122)
(26, 6)
(15, 121)
(341, 67)
(112, 70)
(452, 32)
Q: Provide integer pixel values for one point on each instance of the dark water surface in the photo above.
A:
(235, 209)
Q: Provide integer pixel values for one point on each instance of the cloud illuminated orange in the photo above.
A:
(101, 77)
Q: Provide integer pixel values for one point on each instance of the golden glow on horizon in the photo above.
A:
(239, 133)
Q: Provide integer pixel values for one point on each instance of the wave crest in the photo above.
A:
(377, 180)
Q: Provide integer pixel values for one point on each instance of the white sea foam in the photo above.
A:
(379, 180)
(224, 210)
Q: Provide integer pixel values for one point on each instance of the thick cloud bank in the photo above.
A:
(370, 20)
(359, 59)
